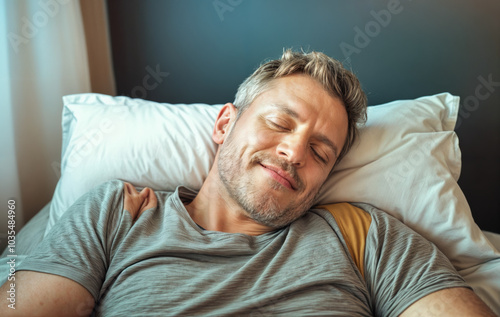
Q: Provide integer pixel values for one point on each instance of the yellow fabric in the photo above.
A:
(354, 223)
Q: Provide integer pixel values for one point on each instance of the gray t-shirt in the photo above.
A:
(164, 264)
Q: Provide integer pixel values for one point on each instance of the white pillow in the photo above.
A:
(143, 142)
(406, 162)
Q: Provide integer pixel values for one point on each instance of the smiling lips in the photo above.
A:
(281, 176)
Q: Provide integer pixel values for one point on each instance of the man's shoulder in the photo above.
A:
(109, 186)
(383, 220)
(358, 214)
(353, 223)
(345, 215)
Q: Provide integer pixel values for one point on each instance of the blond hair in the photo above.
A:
(330, 73)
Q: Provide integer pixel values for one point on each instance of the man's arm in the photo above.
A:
(409, 276)
(41, 294)
(449, 302)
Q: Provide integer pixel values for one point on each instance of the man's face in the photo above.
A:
(281, 150)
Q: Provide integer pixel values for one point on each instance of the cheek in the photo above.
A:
(315, 179)
(246, 143)
(263, 138)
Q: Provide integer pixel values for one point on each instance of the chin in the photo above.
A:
(270, 211)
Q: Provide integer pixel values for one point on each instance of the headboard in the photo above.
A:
(200, 51)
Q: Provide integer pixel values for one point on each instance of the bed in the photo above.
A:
(417, 154)
(406, 162)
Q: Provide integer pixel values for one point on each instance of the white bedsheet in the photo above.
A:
(485, 278)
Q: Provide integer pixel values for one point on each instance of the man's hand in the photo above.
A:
(449, 302)
(40, 294)
(136, 203)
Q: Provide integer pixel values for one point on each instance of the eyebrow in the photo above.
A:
(292, 113)
(319, 136)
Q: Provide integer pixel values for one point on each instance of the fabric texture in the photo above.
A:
(354, 224)
(164, 264)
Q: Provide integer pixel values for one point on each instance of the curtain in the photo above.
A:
(43, 56)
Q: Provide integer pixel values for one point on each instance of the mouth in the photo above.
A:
(281, 176)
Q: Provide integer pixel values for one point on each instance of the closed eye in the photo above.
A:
(277, 126)
(318, 156)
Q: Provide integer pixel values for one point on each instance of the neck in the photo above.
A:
(213, 209)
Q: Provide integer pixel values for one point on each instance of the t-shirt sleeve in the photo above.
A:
(81, 243)
(401, 266)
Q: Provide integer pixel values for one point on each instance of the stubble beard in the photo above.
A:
(259, 203)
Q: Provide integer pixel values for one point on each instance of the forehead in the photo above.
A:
(301, 90)
(304, 99)
(300, 95)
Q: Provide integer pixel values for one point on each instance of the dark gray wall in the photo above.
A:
(201, 51)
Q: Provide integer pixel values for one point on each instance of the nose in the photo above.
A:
(293, 148)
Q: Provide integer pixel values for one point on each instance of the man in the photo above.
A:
(245, 243)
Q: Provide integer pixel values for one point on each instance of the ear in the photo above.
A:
(223, 123)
